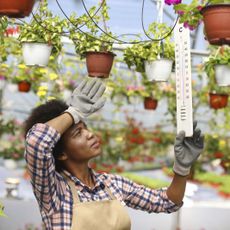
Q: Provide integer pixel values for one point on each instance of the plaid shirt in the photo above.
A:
(54, 195)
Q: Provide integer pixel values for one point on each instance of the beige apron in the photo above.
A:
(98, 215)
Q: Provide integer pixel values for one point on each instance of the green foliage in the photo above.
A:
(132, 140)
(146, 181)
(7, 127)
(6, 70)
(46, 28)
(225, 188)
(8, 45)
(136, 54)
(3, 26)
(218, 56)
(12, 143)
(28, 74)
(216, 147)
(91, 39)
(2, 211)
(190, 14)
(210, 177)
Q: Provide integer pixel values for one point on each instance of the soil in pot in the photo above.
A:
(218, 101)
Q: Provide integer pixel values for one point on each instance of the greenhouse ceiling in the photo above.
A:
(126, 17)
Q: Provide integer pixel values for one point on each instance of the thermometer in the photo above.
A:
(183, 80)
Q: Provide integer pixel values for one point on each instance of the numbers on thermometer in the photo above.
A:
(182, 83)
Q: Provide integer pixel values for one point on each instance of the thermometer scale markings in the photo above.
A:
(183, 80)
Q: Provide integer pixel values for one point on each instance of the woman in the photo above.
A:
(70, 194)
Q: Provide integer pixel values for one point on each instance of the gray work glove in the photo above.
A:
(187, 150)
(86, 99)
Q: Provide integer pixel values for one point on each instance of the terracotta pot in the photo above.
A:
(24, 86)
(216, 23)
(218, 101)
(150, 103)
(16, 8)
(99, 64)
(225, 164)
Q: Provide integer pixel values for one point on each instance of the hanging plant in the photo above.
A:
(217, 86)
(218, 100)
(42, 36)
(218, 64)
(150, 103)
(214, 13)
(146, 57)
(26, 77)
(153, 93)
(24, 86)
(96, 47)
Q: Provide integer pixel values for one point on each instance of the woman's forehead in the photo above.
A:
(80, 124)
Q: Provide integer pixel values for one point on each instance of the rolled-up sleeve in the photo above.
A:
(40, 142)
(140, 197)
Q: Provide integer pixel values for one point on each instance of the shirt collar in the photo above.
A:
(80, 185)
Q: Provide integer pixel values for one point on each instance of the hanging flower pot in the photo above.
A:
(99, 64)
(158, 70)
(36, 54)
(150, 103)
(16, 8)
(222, 74)
(216, 23)
(218, 101)
(10, 164)
(24, 86)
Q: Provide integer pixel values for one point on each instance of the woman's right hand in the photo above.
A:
(86, 99)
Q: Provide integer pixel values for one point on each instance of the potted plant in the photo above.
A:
(12, 147)
(218, 100)
(41, 37)
(218, 93)
(95, 47)
(9, 46)
(150, 103)
(214, 13)
(218, 64)
(3, 26)
(16, 9)
(2, 214)
(153, 58)
(23, 76)
(153, 93)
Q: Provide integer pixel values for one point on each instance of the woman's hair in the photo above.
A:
(44, 113)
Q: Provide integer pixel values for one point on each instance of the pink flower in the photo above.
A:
(172, 2)
(187, 25)
(130, 87)
(180, 12)
(199, 8)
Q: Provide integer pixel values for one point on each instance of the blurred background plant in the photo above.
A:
(12, 140)
(2, 214)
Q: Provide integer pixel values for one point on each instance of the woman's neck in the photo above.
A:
(82, 172)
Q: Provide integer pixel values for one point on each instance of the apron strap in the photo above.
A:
(72, 188)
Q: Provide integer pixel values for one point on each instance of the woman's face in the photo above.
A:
(80, 144)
